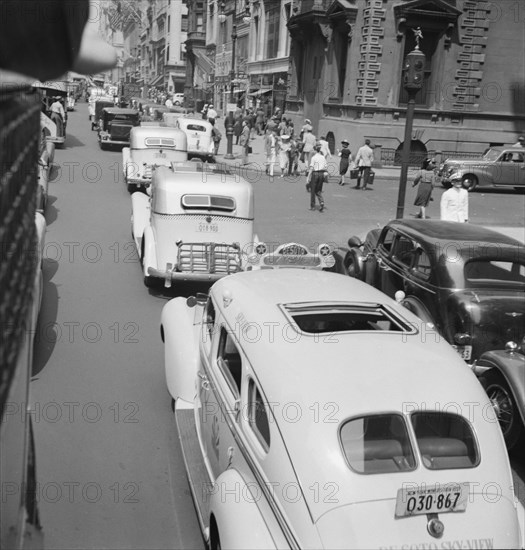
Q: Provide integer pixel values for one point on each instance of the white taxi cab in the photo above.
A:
(199, 134)
(195, 223)
(315, 412)
(149, 147)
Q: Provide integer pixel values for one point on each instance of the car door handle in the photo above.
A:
(382, 265)
(205, 383)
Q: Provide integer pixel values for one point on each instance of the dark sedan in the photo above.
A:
(466, 280)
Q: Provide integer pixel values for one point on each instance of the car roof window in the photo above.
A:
(377, 444)
(230, 362)
(446, 441)
(314, 318)
(196, 127)
(258, 416)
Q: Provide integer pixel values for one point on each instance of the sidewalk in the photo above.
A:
(257, 161)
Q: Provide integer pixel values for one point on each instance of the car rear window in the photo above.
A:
(377, 444)
(159, 142)
(196, 128)
(214, 202)
(492, 272)
(445, 441)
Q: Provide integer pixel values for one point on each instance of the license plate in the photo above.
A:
(464, 351)
(160, 155)
(207, 227)
(437, 499)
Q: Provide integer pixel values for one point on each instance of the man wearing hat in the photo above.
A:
(315, 179)
(454, 202)
(520, 142)
(212, 114)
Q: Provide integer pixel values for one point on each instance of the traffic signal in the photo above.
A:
(414, 70)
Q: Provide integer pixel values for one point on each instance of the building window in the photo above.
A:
(272, 34)
(184, 23)
(341, 55)
(200, 23)
(183, 56)
(169, 23)
(428, 46)
(168, 54)
(287, 13)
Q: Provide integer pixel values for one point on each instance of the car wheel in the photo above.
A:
(352, 266)
(470, 182)
(102, 145)
(505, 407)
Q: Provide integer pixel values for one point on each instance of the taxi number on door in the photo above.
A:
(160, 155)
(432, 500)
(207, 228)
(464, 351)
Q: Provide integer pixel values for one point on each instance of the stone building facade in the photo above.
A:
(346, 63)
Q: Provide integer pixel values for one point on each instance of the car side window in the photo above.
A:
(422, 266)
(404, 251)
(258, 416)
(209, 317)
(387, 240)
(230, 362)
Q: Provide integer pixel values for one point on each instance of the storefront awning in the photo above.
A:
(260, 92)
(157, 80)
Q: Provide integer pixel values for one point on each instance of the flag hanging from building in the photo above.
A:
(116, 18)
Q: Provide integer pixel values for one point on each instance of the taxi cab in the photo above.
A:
(151, 146)
(195, 223)
(200, 140)
(326, 420)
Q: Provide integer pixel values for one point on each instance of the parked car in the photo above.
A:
(71, 101)
(151, 146)
(199, 134)
(466, 281)
(115, 126)
(499, 167)
(98, 106)
(502, 373)
(45, 162)
(195, 223)
(309, 409)
(170, 118)
(178, 99)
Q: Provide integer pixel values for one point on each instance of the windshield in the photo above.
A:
(492, 155)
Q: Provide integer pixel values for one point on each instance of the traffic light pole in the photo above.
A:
(413, 82)
(405, 159)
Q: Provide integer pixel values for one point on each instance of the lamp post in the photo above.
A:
(413, 76)
(229, 121)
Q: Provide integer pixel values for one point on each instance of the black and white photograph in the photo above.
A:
(262, 274)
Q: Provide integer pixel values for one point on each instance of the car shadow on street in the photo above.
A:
(46, 331)
(72, 141)
(184, 289)
(51, 212)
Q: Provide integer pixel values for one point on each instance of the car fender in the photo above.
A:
(150, 250)
(511, 365)
(140, 208)
(418, 308)
(237, 515)
(181, 351)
